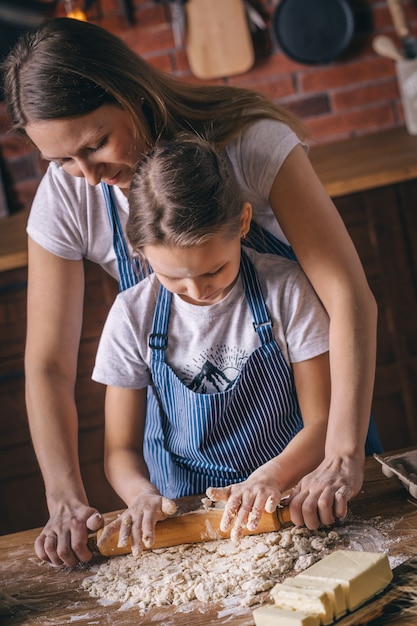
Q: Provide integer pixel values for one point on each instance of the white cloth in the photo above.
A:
(221, 334)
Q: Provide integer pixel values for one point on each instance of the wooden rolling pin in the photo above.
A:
(194, 527)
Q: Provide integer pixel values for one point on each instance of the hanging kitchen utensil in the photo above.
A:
(128, 11)
(385, 47)
(177, 12)
(313, 31)
(218, 38)
(409, 43)
(259, 30)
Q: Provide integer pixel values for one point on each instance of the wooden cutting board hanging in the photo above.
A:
(218, 38)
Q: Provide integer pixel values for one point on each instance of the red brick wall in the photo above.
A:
(355, 95)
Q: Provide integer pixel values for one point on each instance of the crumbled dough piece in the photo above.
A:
(209, 571)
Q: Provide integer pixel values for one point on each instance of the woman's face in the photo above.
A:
(98, 146)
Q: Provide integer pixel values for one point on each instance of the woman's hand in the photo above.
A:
(322, 496)
(136, 525)
(328, 256)
(63, 541)
(55, 313)
(246, 501)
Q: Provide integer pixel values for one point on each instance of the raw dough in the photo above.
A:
(209, 571)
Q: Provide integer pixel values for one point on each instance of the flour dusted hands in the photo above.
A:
(137, 523)
(63, 541)
(322, 496)
(246, 501)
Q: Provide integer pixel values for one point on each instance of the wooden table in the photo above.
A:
(32, 592)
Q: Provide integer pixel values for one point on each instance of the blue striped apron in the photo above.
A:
(129, 274)
(220, 438)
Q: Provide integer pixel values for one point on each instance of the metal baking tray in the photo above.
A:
(403, 466)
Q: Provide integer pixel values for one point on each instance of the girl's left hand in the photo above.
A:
(246, 501)
(137, 523)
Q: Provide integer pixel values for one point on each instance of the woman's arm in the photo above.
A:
(306, 450)
(127, 471)
(55, 309)
(263, 489)
(327, 255)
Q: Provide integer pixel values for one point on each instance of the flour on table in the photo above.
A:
(209, 571)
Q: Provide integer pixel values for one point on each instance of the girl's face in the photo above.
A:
(202, 274)
(98, 146)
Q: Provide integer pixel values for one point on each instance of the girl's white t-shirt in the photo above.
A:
(217, 338)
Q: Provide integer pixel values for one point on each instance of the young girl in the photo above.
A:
(93, 108)
(234, 344)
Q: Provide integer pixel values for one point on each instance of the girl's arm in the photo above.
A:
(264, 488)
(328, 257)
(127, 471)
(55, 310)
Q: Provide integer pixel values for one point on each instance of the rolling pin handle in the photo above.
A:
(92, 543)
(283, 514)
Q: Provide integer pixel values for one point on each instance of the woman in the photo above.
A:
(233, 342)
(93, 108)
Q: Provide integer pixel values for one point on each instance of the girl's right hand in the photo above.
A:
(137, 523)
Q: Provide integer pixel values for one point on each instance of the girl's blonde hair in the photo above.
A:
(67, 68)
(182, 194)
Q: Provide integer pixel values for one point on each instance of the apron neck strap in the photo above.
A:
(158, 339)
(131, 271)
(262, 322)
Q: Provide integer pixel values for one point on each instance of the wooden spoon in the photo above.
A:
(385, 47)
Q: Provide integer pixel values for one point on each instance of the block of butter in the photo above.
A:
(361, 574)
(324, 591)
(272, 616)
(308, 600)
(334, 592)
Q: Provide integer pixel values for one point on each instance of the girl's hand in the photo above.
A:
(246, 501)
(137, 523)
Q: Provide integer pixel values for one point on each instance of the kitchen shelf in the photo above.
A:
(362, 163)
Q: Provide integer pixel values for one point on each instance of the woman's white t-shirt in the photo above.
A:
(69, 217)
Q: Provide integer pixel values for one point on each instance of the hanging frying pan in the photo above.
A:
(313, 31)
